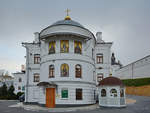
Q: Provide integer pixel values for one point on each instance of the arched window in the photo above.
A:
(20, 80)
(77, 47)
(113, 93)
(51, 71)
(103, 93)
(52, 46)
(64, 70)
(122, 93)
(64, 46)
(78, 71)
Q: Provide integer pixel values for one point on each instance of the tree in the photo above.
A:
(6, 93)
(11, 90)
(1, 92)
(4, 90)
(10, 93)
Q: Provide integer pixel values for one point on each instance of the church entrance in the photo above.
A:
(50, 97)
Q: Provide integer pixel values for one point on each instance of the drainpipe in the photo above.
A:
(27, 70)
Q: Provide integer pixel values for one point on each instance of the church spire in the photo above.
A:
(67, 16)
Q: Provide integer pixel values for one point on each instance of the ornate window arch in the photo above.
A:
(64, 70)
(78, 71)
(103, 93)
(52, 47)
(113, 93)
(51, 71)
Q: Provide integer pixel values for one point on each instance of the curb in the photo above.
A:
(8, 100)
(69, 109)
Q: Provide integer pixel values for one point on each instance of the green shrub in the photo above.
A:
(136, 82)
(19, 94)
(7, 93)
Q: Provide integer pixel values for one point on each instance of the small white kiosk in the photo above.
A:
(112, 92)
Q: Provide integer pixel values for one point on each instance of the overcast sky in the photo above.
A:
(126, 23)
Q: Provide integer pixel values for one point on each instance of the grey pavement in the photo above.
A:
(142, 105)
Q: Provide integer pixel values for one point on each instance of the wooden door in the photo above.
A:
(50, 97)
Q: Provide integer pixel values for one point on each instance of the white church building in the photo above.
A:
(64, 64)
(19, 81)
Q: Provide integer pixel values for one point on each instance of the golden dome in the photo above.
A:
(67, 17)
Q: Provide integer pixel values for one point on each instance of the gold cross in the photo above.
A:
(67, 12)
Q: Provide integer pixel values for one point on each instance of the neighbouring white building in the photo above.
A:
(102, 53)
(5, 78)
(64, 64)
(137, 69)
(19, 81)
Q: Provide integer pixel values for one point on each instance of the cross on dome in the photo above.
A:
(68, 10)
(67, 17)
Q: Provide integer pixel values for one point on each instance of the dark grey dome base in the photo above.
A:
(67, 22)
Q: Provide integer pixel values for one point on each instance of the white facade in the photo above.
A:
(31, 89)
(19, 82)
(102, 48)
(103, 68)
(137, 69)
(85, 85)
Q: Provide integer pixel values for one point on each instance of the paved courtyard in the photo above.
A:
(142, 105)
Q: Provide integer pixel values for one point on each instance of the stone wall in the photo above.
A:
(137, 69)
(141, 90)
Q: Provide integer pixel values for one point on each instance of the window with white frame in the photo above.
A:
(64, 93)
(51, 71)
(37, 58)
(78, 94)
(20, 80)
(36, 77)
(99, 58)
